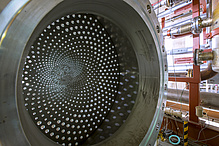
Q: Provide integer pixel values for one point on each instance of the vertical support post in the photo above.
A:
(163, 22)
(194, 98)
(204, 34)
(185, 133)
(194, 92)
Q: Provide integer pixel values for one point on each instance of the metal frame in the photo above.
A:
(153, 72)
(194, 130)
(194, 93)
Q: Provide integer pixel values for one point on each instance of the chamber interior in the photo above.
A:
(80, 79)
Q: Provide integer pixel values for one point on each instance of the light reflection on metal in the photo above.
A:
(200, 56)
(208, 99)
(215, 39)
(144, 44)
(168, 3)
(194, 27)
(5, 30)
(172, 9)
(181, 23)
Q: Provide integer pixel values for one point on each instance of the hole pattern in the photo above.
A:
(80, 79)
(71, 78)
(128, 85)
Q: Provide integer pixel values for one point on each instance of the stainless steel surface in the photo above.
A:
(194, 26)
(214, 80)
(215, 16)
(209, 8)
(209, 100)
(205, 56)
(172, 9)
(160, 4)
(7, 15)
(215, 48)
(79, 72)
(208, 73)
(3, 4)
(197, 25)
(215, 39)
(168, 3)
(184, 22)
(200, 56)
(180, 16)
(208, 15)
(206, 22)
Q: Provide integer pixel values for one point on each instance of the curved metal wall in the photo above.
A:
(79, 72)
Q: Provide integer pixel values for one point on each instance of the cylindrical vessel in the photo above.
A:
(215, 38)
(81, 72)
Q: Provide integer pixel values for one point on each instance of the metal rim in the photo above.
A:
(136, 37)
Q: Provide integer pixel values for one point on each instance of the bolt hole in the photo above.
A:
(163, 48)
(163, 106)
(149, 9)
(158, 127)
(158, 29)
(165, 67)
(165, 87)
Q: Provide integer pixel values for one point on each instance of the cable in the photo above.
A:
(182, 94)
(201, 131)
(178, 127)
(166, 125)
(205, 126)
(174, 72)
(180, 97)
(208, 138)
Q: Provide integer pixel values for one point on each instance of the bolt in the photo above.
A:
(149, 9)
(163, 48)
(157, 127)
(165, 67)
(158, 29)
(163, 106)
(165, 87)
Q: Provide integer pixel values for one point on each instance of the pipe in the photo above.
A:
(28, 52)
(208, 73)
(215, 38)
(180, 16)
(206, 56)
(208, 100)
(184, 22)
(195, 27)
(208, 15)
(160, 4)
(209, 9)
(199, 56)
(168, 3)
(206, 22)
(172, 9)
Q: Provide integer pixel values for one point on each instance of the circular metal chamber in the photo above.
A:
(79, 72)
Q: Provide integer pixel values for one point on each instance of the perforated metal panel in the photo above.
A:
(71, 80)
(81, 72)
